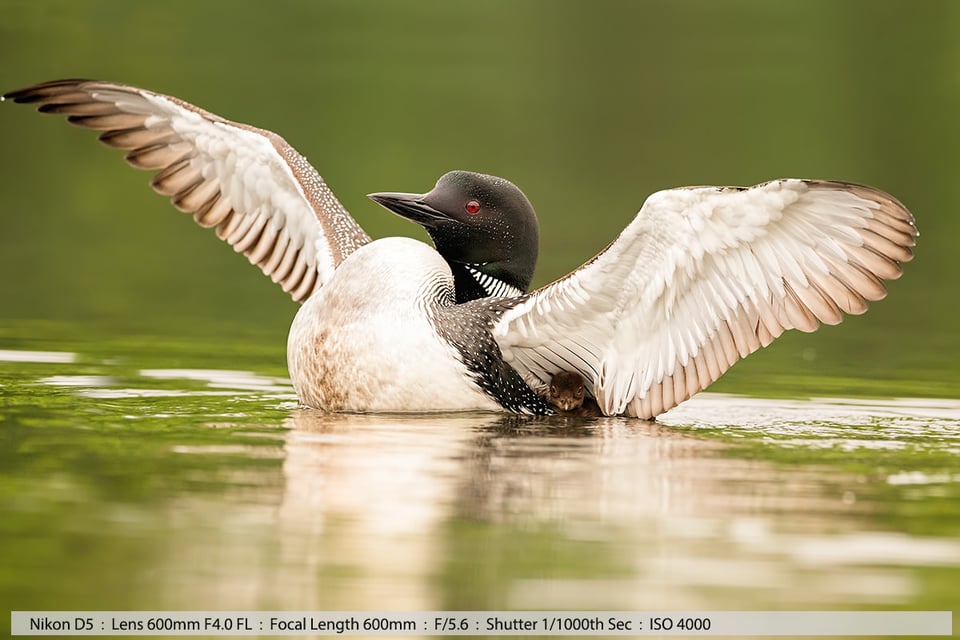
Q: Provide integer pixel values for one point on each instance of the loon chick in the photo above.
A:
(701, 277)
(567, 395)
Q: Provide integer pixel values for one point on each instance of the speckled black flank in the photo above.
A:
(468, 327)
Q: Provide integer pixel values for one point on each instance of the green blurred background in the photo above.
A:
(588, 106)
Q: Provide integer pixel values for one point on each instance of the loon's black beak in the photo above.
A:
(410, 206)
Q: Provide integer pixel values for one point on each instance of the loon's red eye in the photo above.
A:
(472, 207)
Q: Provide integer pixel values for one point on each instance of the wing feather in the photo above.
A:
(215, 211)
(262, 196)
(705, 276)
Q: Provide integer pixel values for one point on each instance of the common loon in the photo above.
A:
(700, 278)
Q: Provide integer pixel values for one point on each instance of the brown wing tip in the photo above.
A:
(890, 208)
(890, 233)
(40, 92)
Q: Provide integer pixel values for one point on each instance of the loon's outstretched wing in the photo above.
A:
(704, 276)
(262, 196)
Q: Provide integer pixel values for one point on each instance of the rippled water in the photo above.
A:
(160, 488)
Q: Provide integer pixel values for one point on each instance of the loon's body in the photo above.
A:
(400, 342)
(700, 278)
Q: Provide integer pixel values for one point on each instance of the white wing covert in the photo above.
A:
(704, 276)
(262, 196)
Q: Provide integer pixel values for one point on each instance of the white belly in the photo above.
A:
(365, 341)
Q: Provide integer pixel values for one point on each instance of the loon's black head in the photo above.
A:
(483, 226)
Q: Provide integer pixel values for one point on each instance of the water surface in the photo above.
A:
(163, 487)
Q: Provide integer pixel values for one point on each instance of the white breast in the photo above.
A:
(366, 341)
